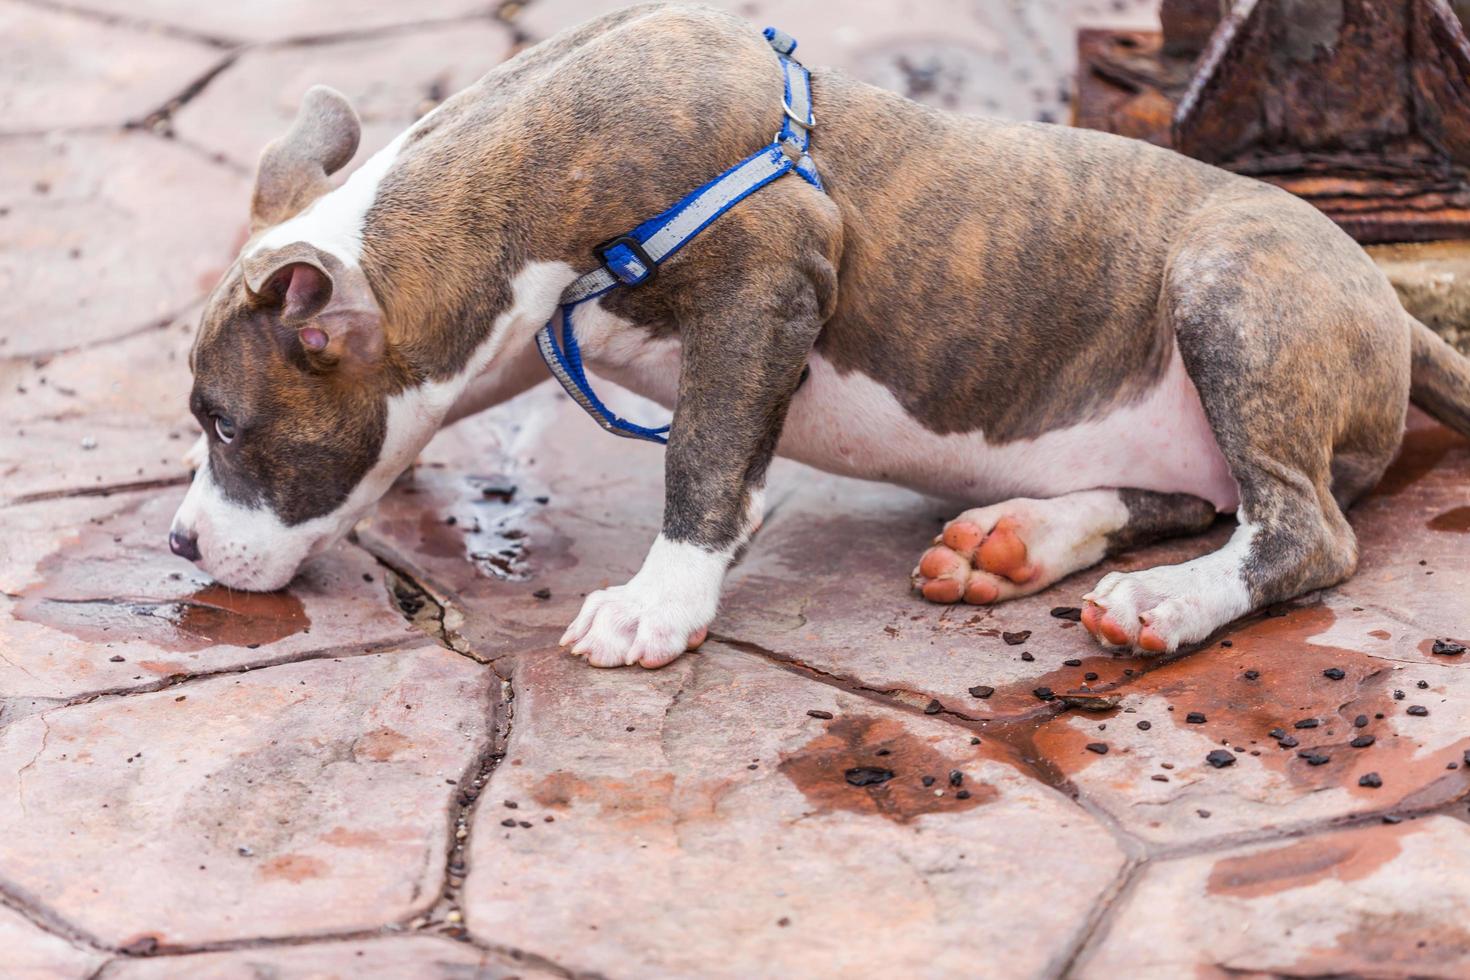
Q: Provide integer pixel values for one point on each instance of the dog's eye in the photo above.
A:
(224, 428)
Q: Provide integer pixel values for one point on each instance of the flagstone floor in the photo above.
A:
(388, 769)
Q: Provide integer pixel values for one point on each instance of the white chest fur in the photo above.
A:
(852, 425)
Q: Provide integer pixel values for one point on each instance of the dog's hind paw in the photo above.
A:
(1016, 548)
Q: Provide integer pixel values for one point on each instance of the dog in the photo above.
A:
(1091, 341)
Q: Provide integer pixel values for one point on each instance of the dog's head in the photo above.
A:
(293, 384)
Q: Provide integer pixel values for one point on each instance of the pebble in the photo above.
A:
(1220, 758)
(1144, 726)
(116, 658)
(1418, 710)
(1074, 662)
(1398, 695)
(1017, 638)
(956, 777)
(1306, 723)
(1447, 648)
(1422, 685)
(1101, 748)
(1362, 741)
(542, 594)
(1371, 780)
(1227, 643)
(818, 713)
(1159, 777)
(1090, 676)
(1361, 721)
(1195, 718)
(963, 794)
(974, 739)
(1027, 657)
(1314, 758)
(1334, 673)
(867, 776)
(1044, 694)
(981, 691)
(1251, 675)
(927, 781)
(89, 443)
(933, 707)
(1067, 612)
(1287, 742)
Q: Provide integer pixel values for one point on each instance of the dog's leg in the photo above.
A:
(1021, 546)
(745, 339)
(1298, 348)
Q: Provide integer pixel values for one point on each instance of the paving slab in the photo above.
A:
(400, 958)
(391, 81)
(1348, 674)
(106, 416)
(279, 20)
(293, 800)
(94, 601)
(102, 235)
(698, 820)
(1011, 60)
(59, 70)
(1374, 901)
(30, 953)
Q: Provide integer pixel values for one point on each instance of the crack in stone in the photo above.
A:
(38, 915)
(159, 121)
(106, 490)
(1099, 918)
(382, 645)
(138, 24)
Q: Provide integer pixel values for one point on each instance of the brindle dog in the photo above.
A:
(1097, 341)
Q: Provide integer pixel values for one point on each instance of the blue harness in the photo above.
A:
(632, 259)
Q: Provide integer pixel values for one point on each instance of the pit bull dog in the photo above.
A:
(1092, 341)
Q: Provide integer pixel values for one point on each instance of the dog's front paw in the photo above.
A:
(664, 610)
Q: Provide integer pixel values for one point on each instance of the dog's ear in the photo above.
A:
(328, 306)
(293, 170)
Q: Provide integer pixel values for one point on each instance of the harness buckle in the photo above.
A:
(808, 124)
(626, 259)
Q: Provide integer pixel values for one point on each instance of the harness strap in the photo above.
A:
(633, 259)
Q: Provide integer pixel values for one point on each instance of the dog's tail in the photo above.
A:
(1439, 378)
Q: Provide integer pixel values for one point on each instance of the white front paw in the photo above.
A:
(664, 610)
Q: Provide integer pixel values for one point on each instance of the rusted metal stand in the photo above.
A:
(1360, 106)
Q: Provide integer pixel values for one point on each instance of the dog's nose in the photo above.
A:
(185, 544)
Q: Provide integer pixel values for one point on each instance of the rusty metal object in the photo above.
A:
(1360, 106)
(1188, 24)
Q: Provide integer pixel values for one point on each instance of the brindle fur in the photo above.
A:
(1007, 278)
(1153, 516)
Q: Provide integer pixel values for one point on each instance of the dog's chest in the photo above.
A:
(850, 424)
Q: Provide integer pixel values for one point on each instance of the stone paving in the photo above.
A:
(388, 769)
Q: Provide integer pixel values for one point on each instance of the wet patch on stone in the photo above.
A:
(488, 521)
(839, 770)
(212, 616)
(1456, 520)
(1342, 857)
(1421, 452)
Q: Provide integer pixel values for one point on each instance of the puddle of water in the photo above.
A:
(212, 616)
